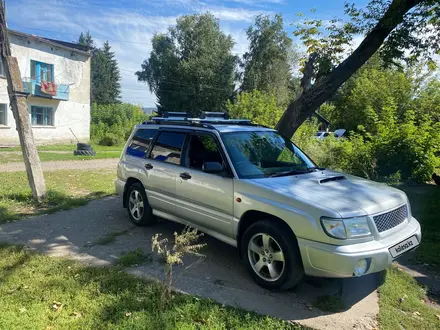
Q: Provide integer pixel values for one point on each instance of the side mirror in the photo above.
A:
(212, 167)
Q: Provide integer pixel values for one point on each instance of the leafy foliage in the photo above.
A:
(267, 63)
(398, 151)
(399, 30)
(106, 87)
(258, 106)
(113, 123)
(191, 67)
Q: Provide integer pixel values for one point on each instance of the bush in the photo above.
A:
(398, 152)
(112, 124)
(260, 107)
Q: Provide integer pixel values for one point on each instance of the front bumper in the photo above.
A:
(325, 260)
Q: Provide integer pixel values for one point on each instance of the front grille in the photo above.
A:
(391, 219)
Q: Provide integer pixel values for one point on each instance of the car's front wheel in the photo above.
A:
(139, 210)
(271, 255)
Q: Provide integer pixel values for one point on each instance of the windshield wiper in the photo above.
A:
(295, 172)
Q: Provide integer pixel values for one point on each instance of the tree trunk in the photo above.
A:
(19, 108)
(313, 96)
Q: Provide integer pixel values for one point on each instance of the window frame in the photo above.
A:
(152, 141)
(34, 65)
(2, 68)
(5, 115)
(43, 107)
(165, 130)
(228, 172)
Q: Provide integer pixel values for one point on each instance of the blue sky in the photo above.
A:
(129, 25)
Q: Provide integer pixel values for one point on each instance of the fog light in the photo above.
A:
(361, 267)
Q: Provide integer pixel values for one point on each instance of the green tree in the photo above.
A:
(267, 63)
(113, 73)
(399, 29)
(364, 98)
(86, 39)
(427, 101)
(191, 67)
(106, 87)
(260, 107)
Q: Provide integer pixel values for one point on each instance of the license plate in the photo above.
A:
(404, 246)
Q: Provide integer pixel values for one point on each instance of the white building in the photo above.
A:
(56, 76)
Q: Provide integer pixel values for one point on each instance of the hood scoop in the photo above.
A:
(334, 178)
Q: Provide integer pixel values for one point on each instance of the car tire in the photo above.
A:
(84, 153)
(274, 251)
(83, 146)
(144, 215)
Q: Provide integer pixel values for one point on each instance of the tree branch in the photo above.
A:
(309, 100)
(309, 72)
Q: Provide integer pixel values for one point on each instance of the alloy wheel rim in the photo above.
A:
(136, 205)
(266, 257)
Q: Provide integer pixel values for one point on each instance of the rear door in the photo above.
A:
(205, 199)
(162, 168)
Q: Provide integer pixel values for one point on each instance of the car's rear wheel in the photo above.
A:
(271, 255)
(139, 210)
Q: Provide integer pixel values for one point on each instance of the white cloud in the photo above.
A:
(129, 32)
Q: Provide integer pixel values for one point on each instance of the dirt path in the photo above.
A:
(220, 276)
(64, 165)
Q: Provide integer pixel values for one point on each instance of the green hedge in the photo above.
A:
(112, 124)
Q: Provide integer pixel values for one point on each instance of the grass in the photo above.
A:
(425, 203)
(134, 257)
(39, 292)
(66, 189)
(402, 304)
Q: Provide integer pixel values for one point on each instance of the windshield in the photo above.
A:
(265, 154)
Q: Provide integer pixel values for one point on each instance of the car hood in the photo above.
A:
(345, 194)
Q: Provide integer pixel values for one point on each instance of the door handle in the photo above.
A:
(148, 166)
(185, 176)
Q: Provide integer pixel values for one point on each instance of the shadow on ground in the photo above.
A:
(220, 276)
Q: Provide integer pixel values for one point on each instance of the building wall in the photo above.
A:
(70, 68)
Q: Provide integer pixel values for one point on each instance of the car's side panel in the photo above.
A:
(206, 200)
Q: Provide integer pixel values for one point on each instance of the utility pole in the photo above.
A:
(17, 99)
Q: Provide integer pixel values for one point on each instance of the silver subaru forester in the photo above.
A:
(250, 187)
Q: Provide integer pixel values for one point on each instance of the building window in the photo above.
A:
(41, 72)
(42, 116)
(3, 118)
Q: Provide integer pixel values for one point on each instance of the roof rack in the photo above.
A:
(206, 119)
(206, 114)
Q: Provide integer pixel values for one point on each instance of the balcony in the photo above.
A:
(34, 88)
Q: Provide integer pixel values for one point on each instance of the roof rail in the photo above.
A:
(206, 114)
(169, 114)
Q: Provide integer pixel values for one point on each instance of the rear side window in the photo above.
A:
(168, 147)
(141, 141)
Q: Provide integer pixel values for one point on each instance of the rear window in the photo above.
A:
(141, 141)
(168, 147)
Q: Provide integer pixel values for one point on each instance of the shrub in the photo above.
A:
(113, 123)
(260, 107)
(397, 152)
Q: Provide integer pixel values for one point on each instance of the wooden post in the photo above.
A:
(18, 103)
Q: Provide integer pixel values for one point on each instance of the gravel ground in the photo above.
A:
(64, 165)
(220, 276)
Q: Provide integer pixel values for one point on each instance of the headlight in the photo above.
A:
(346, 228)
